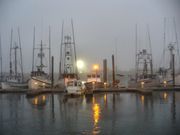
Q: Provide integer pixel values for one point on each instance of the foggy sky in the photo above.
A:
(100, 26)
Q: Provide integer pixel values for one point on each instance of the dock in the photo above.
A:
(134, 90)
(32, 93)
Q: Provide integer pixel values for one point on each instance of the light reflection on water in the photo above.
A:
(112, 113)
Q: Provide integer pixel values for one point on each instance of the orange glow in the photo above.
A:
(93, 100)
(142, 98)
(105, 97)
(96, 113)
(36, 101)
(96, 67)
(43, 98)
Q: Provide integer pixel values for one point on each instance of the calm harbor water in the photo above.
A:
(112, 113)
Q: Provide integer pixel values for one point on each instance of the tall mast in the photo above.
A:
(10, 64)
(177, 43)
(41, 56)
(151, 61)
(15, 58)
(136, 55)
(76, 71)
(1, 57)
(62, 36)
(33, 50)
(164, 43)
(49, 51)
(22, 74)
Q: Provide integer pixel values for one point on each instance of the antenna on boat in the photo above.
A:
(49, 50)
(10, 64)
(76, 71)
(33, 49)
(1, 57)
(60, 63)
(21, 62)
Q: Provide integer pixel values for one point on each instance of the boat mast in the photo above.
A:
(33, 50)
(151, 60)
(41, 57)
(60, 64)
(164, 42)
(76, 71)
(1, 57)
(177, 43)
(21, 62)
(15, 58)
(136, 54)
(10, 64)
(49, 51)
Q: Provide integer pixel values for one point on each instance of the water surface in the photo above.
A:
(112, 113)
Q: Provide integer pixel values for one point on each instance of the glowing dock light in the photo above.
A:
(80, 65)
(43, 98)
(105, 85)
(96, 67)
(35, 83)
(142, 84)
(165, 83)
(165, 95)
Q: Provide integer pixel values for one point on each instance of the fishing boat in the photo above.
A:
(144, 76)
(39, 78)
(171, 57)
(75, 87)
(15, 80)
(68, 73)
(93, 82)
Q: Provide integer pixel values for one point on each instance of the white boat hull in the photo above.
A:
(74, 90)
(35, 83)
(11, 85)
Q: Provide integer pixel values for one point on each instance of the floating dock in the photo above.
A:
(31, 93)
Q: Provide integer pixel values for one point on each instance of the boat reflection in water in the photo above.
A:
(110, 113)
(40, 100)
